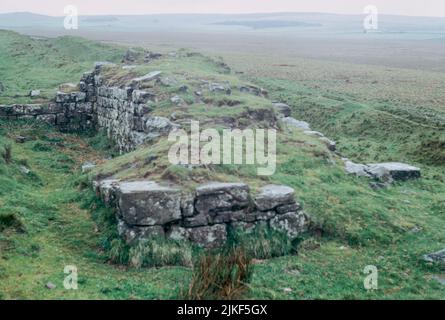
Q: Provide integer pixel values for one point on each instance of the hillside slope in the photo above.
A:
(48, 217)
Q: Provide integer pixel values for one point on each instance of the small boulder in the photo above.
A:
(130, 55)
(157, 126)
(219, 87)
(20, 139)
(177, 100)
(332, 145)
(438, 256)
(141, 97)
(356, 168)
(50, 286)
(24, 170)
(88, 166)
(136, 82)
(34, 93)
(283, 109)
(294, 123)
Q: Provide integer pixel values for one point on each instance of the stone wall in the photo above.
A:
(124, 113)
(145, 209)
(70, 112)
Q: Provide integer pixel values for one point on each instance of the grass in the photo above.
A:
(45, 64)
(220, 276)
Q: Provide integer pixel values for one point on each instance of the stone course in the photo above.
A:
(145, 209)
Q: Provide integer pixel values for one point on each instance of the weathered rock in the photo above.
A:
(293, 207)
(157, 126)
(292, 223)
(107, 190)
(140, 96)
(294, 123)
(283, 109)
(145, 203)
(136, 82)
(50, 286)
(398, 171)
(332, 145)
(272, 196)
(132, 234)
(130, 55)
(253, 90)
(177, 100)
(438, 256)
(219, 87)
(199, 220)
(356, 168)
(213, 197)
(88, 166)
(187, 205)
(210, 236)
(149, 56)
(34, 93)
(20, 139)
(24, 170)
(178, 233)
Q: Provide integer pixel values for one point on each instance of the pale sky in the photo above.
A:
(122, 7)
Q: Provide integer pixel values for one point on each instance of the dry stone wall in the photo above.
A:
(124, 113)
(145, 209)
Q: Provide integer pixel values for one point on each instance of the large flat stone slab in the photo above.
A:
(145, 203)
(272, 196)
(398, 171)
(217, 196)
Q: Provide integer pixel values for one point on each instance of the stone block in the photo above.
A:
(145, 203)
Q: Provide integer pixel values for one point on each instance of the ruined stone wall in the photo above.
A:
(124, 113)
(69, 112)
(145, 209)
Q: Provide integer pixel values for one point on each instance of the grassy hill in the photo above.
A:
(28, 63)
(48, 217)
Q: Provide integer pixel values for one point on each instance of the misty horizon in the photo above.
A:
(221, 14)
(427, 8)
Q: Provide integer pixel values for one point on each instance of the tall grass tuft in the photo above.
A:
(220, 276)
(7, 153)
(264, 243)
(158, 252)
